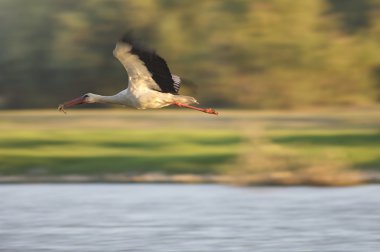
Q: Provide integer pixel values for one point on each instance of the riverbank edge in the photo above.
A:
(274, 179)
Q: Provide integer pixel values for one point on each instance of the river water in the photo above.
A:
(213, 218)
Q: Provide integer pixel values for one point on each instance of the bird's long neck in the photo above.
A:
(112, 99)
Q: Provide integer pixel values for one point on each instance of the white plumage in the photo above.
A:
(151, 85)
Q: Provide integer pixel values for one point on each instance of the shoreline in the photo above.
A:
(271, 179)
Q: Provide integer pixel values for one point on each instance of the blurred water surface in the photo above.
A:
(141, 217)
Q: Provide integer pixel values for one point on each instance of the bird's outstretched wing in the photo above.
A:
(143, 63)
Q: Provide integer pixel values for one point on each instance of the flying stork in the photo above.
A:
(151, 85)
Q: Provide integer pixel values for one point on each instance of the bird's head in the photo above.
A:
(86, 98)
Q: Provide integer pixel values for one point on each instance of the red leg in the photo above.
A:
(208, 110)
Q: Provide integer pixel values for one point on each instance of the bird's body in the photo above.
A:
(141, 97)
(151, 85)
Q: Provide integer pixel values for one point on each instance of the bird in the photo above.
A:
(151, 85)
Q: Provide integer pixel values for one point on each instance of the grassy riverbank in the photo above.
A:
(336, 146)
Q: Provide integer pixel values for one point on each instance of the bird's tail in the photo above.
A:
(185, 99)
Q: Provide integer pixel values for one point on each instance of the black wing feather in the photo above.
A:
(155, 65)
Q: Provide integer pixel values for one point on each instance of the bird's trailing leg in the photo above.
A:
(205, 110)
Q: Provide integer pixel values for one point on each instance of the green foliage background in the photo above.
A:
(241, 53)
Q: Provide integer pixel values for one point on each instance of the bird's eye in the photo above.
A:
(85, 96)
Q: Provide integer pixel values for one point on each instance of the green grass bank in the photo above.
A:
(316, 147)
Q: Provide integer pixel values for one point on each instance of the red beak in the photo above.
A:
(76, 101)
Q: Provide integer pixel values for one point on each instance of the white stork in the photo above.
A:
(151, 85)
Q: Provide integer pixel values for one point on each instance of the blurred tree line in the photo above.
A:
(240, 53)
